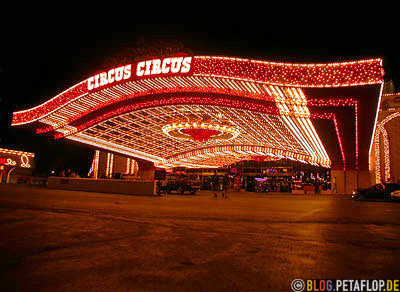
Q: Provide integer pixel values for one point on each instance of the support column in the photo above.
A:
(338, 176)
(103, 162)
(2, 173)
(349, 180)
(364, 179)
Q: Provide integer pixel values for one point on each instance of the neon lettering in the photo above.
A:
(119, 73)
(168, 65)
(103, 79)
(90, 83)
(110, 76)
(165, 69)
(139, 69)
(113, 75)
(156, 67)
(145, 68)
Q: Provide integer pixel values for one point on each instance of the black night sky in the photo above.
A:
(40, 61)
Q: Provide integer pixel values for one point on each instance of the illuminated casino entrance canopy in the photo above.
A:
(202, 111)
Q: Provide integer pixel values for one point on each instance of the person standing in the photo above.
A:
(214, 184)
(334, 185)
(236, 183)
(163, 186)
(225, 186)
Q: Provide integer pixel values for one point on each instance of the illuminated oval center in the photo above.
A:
(202, 132)
(201, 135)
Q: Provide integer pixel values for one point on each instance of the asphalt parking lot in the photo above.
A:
(54, 240)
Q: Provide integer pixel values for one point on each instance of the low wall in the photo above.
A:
(311, 191)
(118, 186)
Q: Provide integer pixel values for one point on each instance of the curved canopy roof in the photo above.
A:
(203, 111)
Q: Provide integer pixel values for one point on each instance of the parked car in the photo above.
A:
(378, 192)
(395, 196)
(184, 183)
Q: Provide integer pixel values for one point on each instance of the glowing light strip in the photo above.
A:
(296, 133)
(316, 140)
(324, 75)
(114, 99)
(201, 125)
(111, 165)
(301, 75)
(112, 147)
(134, 166)
(386, 153)
(289, 64)
(175, 109)
(343, 102)
(168, 101)
(128, 165)
(96, 159)
(16, 152)
(108, 164)
(381, 129)
(356, 130)
(375, 124)
(332, 117)
(287, 106)
(35, 110)
(243, 149)
(340, 140)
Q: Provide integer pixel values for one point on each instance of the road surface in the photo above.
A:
(55, 240)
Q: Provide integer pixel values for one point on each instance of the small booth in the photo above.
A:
(111, 173)
(16, 166)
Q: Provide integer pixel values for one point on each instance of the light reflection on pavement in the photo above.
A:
(53, 240)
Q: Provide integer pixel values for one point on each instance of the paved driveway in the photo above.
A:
(53, 240)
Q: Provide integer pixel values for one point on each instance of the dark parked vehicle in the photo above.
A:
(378, 192)
(182, 184)
(395, 196)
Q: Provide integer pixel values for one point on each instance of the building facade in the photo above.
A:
(385, 164)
